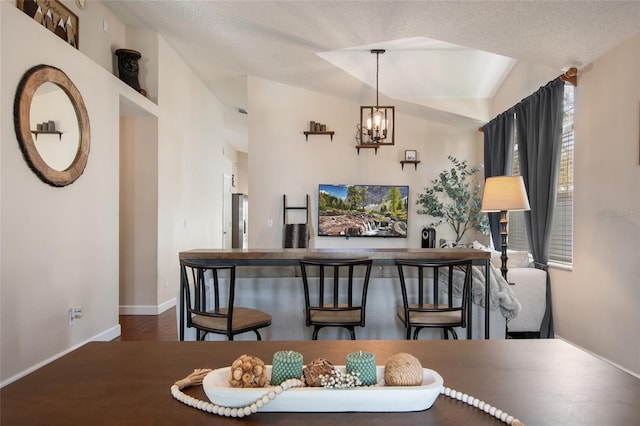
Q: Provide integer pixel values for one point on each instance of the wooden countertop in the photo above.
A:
(290, 256)
(540, 382)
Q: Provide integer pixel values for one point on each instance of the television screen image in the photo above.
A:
(363, 210)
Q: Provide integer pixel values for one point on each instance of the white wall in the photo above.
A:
(190, 168)
(60, 246)
(594, 304)
(138, 214)
(282, 162)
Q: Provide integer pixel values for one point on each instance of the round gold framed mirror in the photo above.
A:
(26, 130)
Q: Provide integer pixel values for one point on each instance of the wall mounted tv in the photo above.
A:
(363, 210)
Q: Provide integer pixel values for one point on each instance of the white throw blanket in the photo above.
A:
(501, 295)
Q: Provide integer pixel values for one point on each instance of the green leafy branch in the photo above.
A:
(455, 199)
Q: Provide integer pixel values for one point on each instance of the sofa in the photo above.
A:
(529, 285)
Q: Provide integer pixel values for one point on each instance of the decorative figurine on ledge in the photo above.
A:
(128, 68)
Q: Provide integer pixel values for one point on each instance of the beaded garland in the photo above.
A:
(334, 380)
(196, 377)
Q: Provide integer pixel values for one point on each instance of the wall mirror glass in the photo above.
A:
(52, 125)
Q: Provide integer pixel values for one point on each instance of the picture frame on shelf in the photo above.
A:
(54, 16)
(410, 155)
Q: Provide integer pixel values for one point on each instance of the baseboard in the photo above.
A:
(147, 309)
(107, 335)
(523, 334)
(608, 361)
(104, 336)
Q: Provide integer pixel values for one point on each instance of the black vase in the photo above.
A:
(128, 68)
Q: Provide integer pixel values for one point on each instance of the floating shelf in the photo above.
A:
(47, 132)
(414, 162)
(368, 146)
(328, 132)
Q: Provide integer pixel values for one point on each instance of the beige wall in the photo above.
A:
(190, 164)
(282, 162)
(138, 214)
(594, 304)
(61, 247)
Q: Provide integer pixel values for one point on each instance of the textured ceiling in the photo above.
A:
(317, 45)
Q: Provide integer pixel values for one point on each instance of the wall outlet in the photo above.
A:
(74, 313)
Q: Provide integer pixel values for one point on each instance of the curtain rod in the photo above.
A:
(570, 76)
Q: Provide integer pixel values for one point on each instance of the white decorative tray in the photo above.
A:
(315, 399)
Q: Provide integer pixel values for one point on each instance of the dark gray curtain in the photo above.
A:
(498, 159)
(539, 127)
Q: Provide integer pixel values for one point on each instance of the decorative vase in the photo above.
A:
(128, 68)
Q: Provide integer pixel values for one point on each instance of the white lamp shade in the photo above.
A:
(504, 193)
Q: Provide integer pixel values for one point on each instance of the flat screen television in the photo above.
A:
(363, 210)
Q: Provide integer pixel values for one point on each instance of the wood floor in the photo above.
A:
(149, 327)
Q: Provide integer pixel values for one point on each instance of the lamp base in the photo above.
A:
(503, 245)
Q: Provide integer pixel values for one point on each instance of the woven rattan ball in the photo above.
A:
(403, 370)
(248, 372)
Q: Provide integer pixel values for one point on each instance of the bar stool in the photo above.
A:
(335, 293)
(224, 317)
(421, 283)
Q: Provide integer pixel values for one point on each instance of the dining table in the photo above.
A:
(538, 382)
(381, 257)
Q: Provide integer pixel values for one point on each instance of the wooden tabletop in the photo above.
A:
(292, 256)
(540, 382)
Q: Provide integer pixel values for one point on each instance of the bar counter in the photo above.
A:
(275, 258)
(539, 382)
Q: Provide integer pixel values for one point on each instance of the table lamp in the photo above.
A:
(503, 194)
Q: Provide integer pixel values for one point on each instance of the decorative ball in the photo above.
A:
(312, 373)
(248, 372)
(403, 370)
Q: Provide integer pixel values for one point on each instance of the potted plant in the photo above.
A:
(455, 198)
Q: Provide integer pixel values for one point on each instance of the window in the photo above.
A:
(561, 246)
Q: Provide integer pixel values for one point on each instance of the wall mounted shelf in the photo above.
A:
(374, 146)
(414, 162)
(328, 132)
(47, 132)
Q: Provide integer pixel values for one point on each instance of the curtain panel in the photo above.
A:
(498, 159)
(539, 127)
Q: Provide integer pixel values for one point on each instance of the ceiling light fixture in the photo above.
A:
(377, 123)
